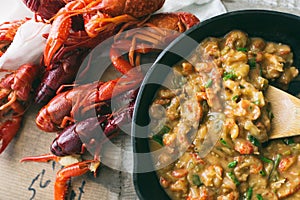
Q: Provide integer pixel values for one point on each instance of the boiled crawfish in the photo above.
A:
(66, 105)
(66, 62)
(72, 105)
(15, 89)
(151, 34)
(97, 15)
(155, 37)
(90, 133)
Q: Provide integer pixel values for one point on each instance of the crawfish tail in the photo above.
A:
(66, 63)
(136, 8)
(63, 72)
(119, 119)
(122, 116)
(23, 80)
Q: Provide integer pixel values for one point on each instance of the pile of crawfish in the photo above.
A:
(81, 115)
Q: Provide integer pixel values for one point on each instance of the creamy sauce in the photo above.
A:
(213, 123)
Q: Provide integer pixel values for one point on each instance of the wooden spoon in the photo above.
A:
(286, 110)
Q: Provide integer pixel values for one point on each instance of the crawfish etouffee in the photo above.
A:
(211, 123)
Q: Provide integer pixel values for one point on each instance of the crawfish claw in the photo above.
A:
(8, 130)
(65, 174)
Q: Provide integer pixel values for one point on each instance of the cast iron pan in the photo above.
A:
(270, 25)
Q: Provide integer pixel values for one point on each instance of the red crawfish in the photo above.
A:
(67, 59)
(90, 134)
(73, 104)
(54, 115)
(151, 34)
(97, 16)
(47, 9)
(15, 89)
(66, 62)
(70, 141)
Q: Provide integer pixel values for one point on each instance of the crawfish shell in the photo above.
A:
(44, 8)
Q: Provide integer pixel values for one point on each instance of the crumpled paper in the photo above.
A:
(13, 10)
(294, 4)
(27, 47)
(203, 9)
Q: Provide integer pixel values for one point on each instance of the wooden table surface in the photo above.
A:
(35, 180)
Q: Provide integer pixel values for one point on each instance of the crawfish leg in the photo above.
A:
(119, 85)
(41, 158)
(66, 120)
(65, 174)
(119, 63)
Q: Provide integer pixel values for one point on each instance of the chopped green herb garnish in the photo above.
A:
(266, 160)
(253, 140)
(259, 197)
(277, 160)
(241, 87)
(229, 75)
(262, 172)
(288, 141)
(196, 180)
(257, 102)
(271, 115)
(286, 153)
(242, 49)
(164, 130)
(261, 72)
(209, 83)
(158, 139)
(224, 142)
(249, 193)
(234, 98)
(159, 136)
(233, 164)
(252, 63)
(233, 178)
